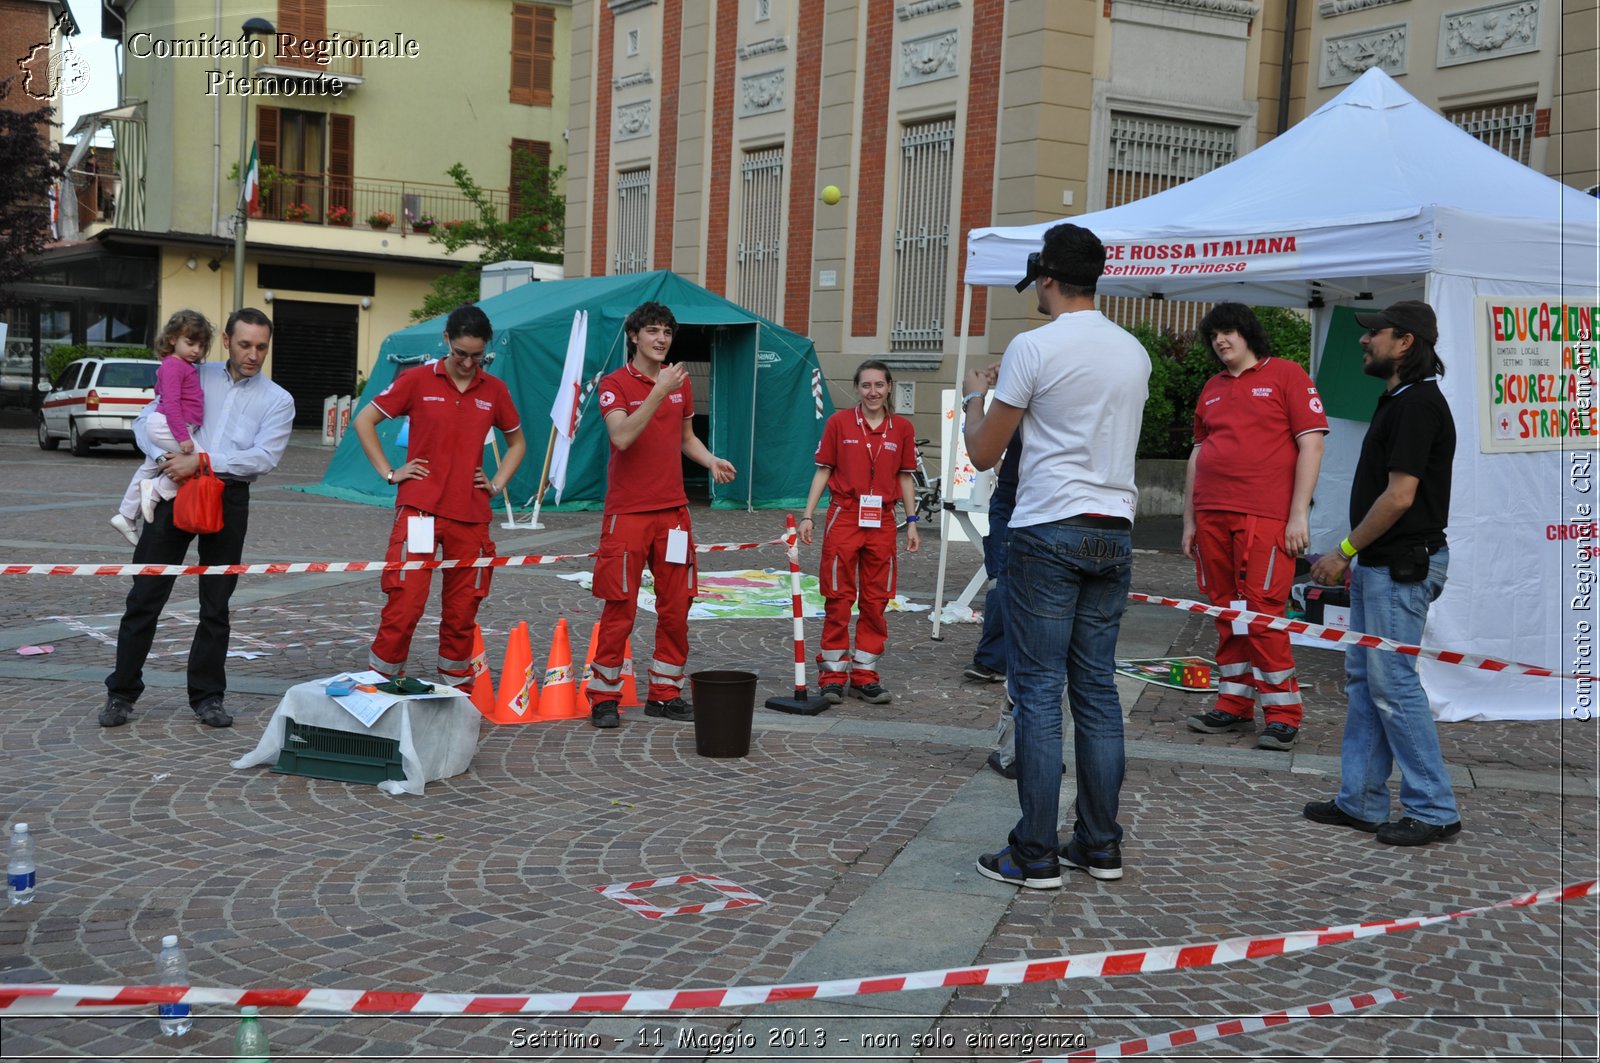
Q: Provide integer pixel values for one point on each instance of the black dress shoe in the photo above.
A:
(1329, 812)
(1408, 831)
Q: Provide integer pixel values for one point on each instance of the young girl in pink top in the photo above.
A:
(180, 407)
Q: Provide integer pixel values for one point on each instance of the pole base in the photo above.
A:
(532, 525)
(801, 704)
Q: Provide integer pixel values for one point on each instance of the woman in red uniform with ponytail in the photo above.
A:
(864, 460)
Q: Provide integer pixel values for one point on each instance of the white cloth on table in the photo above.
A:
(437, 736)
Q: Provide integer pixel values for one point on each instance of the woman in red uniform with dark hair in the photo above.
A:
(864, 460)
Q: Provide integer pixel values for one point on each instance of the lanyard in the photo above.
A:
(872, 459)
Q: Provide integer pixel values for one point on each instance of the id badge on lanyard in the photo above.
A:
(869, 511)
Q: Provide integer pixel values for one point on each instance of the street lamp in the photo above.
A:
(252, 27)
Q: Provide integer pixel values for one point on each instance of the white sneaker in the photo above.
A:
(147, 500)
(126, 527)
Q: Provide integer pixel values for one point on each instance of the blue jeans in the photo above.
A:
(991, 651)
(1388, 721)
(1068, 586)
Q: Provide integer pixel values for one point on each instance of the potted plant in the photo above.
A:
(380, 220)
(339, 214)
(296, 211)
(422, 223)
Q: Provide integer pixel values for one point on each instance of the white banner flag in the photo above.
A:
(564, 410)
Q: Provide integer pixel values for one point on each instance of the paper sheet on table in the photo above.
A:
(367, 703)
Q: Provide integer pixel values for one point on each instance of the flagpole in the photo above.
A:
(511, 514)
(544, 478)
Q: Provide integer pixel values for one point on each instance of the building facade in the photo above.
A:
(356, 111)
(703, 135)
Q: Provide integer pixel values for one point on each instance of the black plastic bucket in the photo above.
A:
(724, 707)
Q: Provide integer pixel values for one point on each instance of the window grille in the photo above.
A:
(922, 238)
(633, 221)
(761, 233)
(1149, 155)
(1505, 127)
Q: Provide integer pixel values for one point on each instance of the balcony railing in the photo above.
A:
(318, 199)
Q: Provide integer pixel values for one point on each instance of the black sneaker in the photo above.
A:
(1278, 736)
(1330, 813)
(1104, 864)
(1003, 867)
(1215, 722)
(984, 673)
(1409, 831)
(211, 713)
(676, 709)
(117, 711)
(834, 692)
(604, 715)
(871, 693)
(1005, 769)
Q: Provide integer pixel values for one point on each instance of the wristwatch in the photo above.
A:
(389, 476)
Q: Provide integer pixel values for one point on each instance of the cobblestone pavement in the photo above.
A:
(857, 828)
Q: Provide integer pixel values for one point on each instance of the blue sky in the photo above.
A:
(101, 56)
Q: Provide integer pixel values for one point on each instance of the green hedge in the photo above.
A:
(1180, 366)
(59, 357)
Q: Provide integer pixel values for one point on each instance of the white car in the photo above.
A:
(95, 400)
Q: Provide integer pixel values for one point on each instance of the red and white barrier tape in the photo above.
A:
(736, 896)
(56, 999)
(283, 568)
(1343, 636)
(1232, 1027)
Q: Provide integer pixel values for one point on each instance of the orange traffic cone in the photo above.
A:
(519, 688)
(630, 689)
(482, 681)
(560, 698)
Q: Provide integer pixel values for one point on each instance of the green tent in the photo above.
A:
(763, 410)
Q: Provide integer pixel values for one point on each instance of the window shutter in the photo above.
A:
(522, 34)
(341, 160)
(544, 56)
(267, 155)
(304, 20)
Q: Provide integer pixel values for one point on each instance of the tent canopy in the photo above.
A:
(1367, 192)
(764, 380)
(1375, 197)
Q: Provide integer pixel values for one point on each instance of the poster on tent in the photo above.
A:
(1536, 383)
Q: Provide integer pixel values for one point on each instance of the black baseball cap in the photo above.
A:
(1409, 315)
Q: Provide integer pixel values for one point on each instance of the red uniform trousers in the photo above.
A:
(463, 591)
(858, 564)
(1243, 556)
(629, 544)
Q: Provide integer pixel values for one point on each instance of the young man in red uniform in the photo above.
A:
(1258, 438)
(648, 408)
(865, 459)
(452, 404)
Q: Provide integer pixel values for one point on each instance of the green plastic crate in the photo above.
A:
(323, 753)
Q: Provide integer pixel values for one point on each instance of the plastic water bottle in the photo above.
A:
(250, 1043)
(172, 969)
(19, 865)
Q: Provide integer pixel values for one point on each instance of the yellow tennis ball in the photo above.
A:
(830, 195)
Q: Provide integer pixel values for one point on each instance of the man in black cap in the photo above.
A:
(1396, 556)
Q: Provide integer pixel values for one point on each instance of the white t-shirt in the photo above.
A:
(1081, 382)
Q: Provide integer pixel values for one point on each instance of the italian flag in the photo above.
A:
(250, 194)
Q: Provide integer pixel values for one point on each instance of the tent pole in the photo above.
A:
(948, 472)
(750, 470)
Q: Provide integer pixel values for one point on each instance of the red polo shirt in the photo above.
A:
(1246, 427)
(866, 460)
(448, 428)
(648, 475)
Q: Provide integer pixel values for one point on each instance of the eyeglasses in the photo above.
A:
(1397, 332)
(468, 356)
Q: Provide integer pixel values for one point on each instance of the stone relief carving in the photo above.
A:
(924, 7)
(766, 47)
(1346, 58)
(1239, 9)
(1334, 8)
(929, 58)
(633, 119)
(762, 93)
(1489, 32)
(628, 81)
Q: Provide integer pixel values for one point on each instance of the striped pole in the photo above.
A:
(790, 533)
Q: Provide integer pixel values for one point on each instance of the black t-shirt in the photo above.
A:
(1411, 432)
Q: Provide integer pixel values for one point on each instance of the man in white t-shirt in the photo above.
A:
(1077, 386)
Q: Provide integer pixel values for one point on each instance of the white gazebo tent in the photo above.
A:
(1372, 198)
